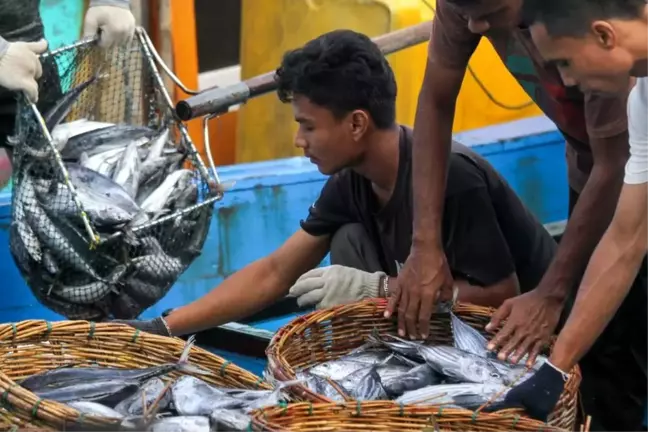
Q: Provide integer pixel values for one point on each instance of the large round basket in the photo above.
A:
(387, 416)
(331, 333)
(29, 347)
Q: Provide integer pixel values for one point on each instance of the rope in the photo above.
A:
(481, 84)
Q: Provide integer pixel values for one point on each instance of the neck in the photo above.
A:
(380, 163)
(636, 38)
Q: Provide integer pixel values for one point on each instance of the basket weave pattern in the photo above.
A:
(29, 347)
(331, 333)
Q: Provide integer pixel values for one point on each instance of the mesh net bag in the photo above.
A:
(111, 201)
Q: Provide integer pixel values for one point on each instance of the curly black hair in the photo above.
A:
(342, 71)
(572, 18)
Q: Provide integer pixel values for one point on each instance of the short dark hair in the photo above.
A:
(342, 71)
(572, 18)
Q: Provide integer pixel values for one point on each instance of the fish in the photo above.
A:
(468, 395)
(467, 338)
(62, 108)
(406, 348)
(64, 131)
(92, 292)
(94, 142)
(107, 391)
(126, 172)
(23, 230)
(51, 236)
(461, 366)
(135, 405)
(69, 376)
(143, 292)
(337, 369)
(149, 183)
(322, 386)
(182, 424)
(158, 198)
(106, 202)
(103, 163)
(192, 396)
(95, 409)
(157, 145)
(364, 384)
(229, 420)
(156, 268)
(50, 264)
(414, 379)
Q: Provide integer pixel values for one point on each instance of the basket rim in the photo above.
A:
(281, 370)
(78, 333)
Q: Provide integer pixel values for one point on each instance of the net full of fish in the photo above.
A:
(126, 178)
(462, 375)
(130, 395)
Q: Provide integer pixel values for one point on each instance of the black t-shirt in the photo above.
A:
(488, 233)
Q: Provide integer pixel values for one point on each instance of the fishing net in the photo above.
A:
(111, 201)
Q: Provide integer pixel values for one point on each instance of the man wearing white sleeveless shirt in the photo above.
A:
(601, 46)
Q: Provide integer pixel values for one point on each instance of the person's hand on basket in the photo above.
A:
(333, 285)
(424, 280)
(157, 326)
(20, 66)
(539, 394)
(531, 320)
(112, 19)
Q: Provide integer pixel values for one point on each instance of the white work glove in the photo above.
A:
(20, 66)
(113, 18)
(334, 285)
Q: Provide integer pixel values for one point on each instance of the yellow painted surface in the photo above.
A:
(269, 28)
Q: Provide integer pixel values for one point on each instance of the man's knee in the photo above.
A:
(351, 246)
(352, 234)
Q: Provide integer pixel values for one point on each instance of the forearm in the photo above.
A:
(607, 281)
(431, 147)
(240, 295)
(490, 296)
(589, 220)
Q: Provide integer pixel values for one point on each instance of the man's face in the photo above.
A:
(593, 62)
(489, 17)
(329, 142)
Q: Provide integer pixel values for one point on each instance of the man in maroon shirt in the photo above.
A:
(595, 130)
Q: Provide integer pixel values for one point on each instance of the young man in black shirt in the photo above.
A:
(343, 95)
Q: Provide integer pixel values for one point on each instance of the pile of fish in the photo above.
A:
(138, 399)
(465, 375)
(125, 176)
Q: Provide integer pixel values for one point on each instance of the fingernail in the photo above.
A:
(501, 356)
(411, 337)
(424, 336)
(488, 326)
(387, 314)
(490, 347)
(401, 333)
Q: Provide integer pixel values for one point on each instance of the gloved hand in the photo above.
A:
(20, 66)
(113, 18)
(155, 326)
(539, 394)
(334, 285)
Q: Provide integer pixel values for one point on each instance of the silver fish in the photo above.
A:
(107, 391)
(470, 396)
(182, 424)
(337, 369)
(50, 264)
(64, 104)
(159, 267)
(64, 131)
(102, 140)
(149, 393)
(407, 348)
(156, 201)
(192, 396)
(321, 386)
(364, 384)
(461, 366)
(106, 202)
(229, 420)
(149, 183)
(51, 236)
(416, 378)
(69, 376)
(94, 408)
(103, 163)
(92, 292)
(127, 170)
(27, 235)
(467, 338)
(157, 145)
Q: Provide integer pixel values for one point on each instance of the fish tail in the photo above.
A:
(184, 365)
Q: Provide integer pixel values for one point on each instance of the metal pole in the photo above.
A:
(218, 100)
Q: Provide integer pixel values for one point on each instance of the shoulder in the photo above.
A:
(466, 170)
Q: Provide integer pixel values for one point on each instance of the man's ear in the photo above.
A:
(359, 124)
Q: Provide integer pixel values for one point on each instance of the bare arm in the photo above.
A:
(608, 278)
(607, 127)
(451, 46)
(252, 288)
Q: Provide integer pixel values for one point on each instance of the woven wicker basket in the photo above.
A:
(328, 334)
(29, 347)
(386, 416)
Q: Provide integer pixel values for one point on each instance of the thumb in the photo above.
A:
(500, 315)
(37, 47)
(31, 90)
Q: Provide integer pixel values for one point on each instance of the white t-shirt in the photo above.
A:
(636, 171)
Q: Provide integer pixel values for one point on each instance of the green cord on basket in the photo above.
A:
(35, 408)
(92, 330)
(222, 369)
(135, 336)
(49, 328)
